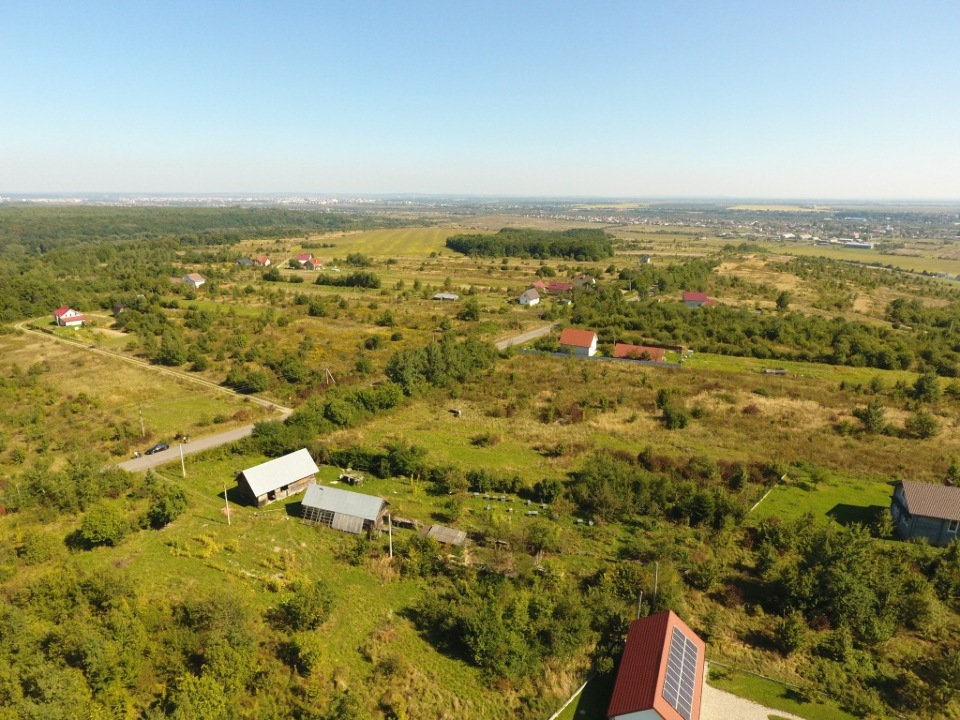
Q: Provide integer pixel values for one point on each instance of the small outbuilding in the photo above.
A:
(923, 510)
(581, 342)
(245, 262)
(661, 671)
(343, 510)
(278, 478)
(194, 280)
(446, 296)
(446, 535)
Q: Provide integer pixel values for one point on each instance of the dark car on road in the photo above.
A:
(159, 447)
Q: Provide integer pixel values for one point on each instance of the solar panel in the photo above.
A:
(681, 674)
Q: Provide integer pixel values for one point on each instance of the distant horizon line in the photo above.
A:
(239, 195)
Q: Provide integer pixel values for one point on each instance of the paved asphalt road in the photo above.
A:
(531, 335)
(194, 446)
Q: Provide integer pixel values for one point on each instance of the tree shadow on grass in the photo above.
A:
(856, 514)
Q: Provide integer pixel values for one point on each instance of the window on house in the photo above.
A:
(954, 526)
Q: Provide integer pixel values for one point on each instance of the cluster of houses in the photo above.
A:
(532, 295)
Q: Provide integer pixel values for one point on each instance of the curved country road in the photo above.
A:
(206, 442)
(197, 444)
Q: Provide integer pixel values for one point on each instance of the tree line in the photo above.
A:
(577, 244)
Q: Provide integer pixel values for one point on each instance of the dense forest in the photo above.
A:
(578, 244)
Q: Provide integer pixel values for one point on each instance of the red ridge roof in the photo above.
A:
(639, 683)
(577, 338)
(695, 296)
(623, 350)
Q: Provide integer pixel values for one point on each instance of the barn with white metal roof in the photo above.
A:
(278, 478)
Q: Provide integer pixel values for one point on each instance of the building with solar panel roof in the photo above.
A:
(661, 671)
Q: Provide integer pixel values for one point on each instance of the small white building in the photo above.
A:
(530, 297)
(194, 280)
(68, 317)
(581, 342)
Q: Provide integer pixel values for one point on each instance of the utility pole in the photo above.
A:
(143, 432)
(390, 533)
(226, 502)
(639, 604)
(183, 465)
(656, 581)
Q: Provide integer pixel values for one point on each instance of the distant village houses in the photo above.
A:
(261, 261)
(313, 264)
(303, 257)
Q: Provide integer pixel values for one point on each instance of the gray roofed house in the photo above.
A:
(530, 296)
(343, 510)
(922, 510)
(278, 478)
(446, 296)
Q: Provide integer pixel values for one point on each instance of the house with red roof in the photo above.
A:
(313, 264)
(661, 671)
(539, 285)
(262, 261)
(302, 258)
(68, 317)
(696, 299)
(638, 352)
(194, 280)
(581, 342)
(555, 288)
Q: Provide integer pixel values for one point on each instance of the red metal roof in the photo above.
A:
(303, 257)
(559, 287)
(936, 501)
(61, 311)
(622, 350)
(72, 319)
(692, 296)
(639, 683)
(577, 338)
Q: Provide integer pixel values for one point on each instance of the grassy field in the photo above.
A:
(403, 242)
(913, 263)
(846, 500)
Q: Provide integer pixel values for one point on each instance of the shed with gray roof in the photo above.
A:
(922, 510)
(446, 535)
(279, 478)
(344, 510)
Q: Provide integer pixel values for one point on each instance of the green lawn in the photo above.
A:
(732, 363)
(400, 242)
(844, 499)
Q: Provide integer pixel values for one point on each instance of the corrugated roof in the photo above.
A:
(346, 502)
(936, 501)
(693, 296)
(577, 338)
(639, 683)
(282, 471)
(447, 535)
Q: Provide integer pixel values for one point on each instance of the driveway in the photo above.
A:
(719, 705)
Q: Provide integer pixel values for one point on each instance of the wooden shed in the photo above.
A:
(446, 535)
(923, 510)
(343, 510)
(278, 478)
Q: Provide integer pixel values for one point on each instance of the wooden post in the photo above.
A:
(226, 502)
(183, 465)
(390, 533)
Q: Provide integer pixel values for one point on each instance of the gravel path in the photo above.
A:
(720, 705)
(539, 332)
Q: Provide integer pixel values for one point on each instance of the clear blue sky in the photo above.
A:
(645, 98)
